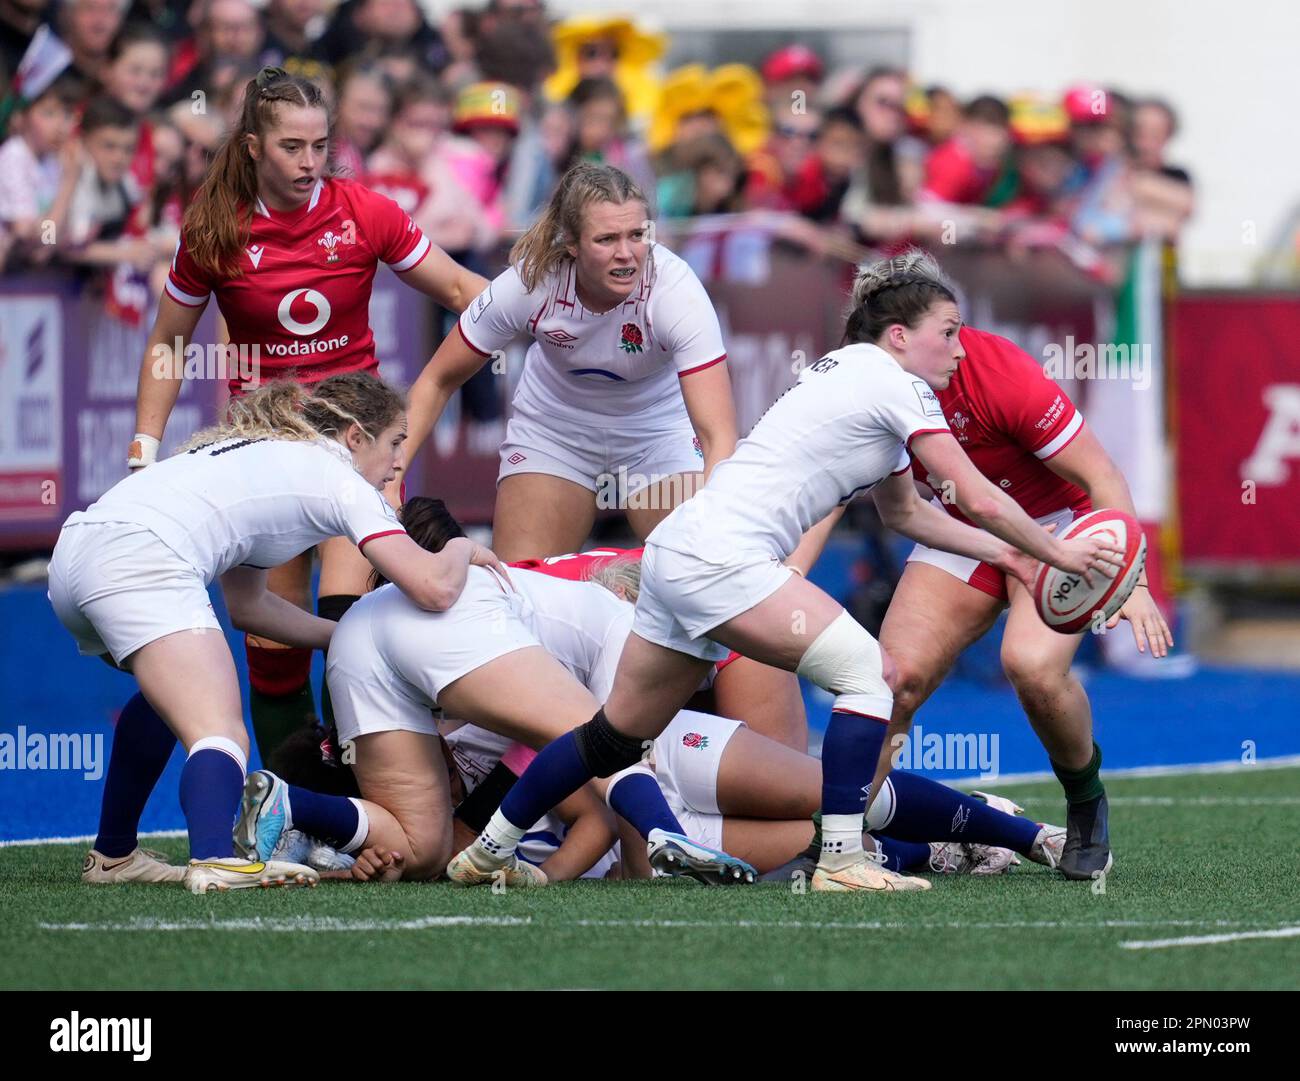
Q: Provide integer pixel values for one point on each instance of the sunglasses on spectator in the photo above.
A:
(597, 50)
(893, 104)
(789, 131)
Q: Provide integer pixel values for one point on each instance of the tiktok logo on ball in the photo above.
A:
(309, 296)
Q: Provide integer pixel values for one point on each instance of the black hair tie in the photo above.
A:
(269, 77)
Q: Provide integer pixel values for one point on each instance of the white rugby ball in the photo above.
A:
(1066, 602)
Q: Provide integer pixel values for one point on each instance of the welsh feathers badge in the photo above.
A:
(632, 340)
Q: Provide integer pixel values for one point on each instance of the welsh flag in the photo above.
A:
(44, 61)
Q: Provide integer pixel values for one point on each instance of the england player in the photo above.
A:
(712, 574)
(390, 664)
(1023, 434)
(624, 392)
(129, 579)
(290, 254)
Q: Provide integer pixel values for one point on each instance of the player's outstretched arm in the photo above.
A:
(709, 404)
(590, 835)
(438, 275)
(161, 372)
(982, 502)
(433, 580)
(904, 511)
(451, 365)
(254, 609)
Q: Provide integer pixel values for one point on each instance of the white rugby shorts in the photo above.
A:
(116, 587)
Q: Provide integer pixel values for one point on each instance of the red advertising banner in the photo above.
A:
(1235, 360)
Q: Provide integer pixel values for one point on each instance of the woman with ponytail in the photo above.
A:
(713, 576)
(290, 253)
(624, 399)
(290, 467)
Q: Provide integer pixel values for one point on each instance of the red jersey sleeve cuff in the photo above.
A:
(701, 367)
(414, 258)
(465, 338)
(375, 536)
(925, 431)
(190, 300)
(1062, 439)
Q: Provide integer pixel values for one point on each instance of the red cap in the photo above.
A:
(791, 62)
(1086, 103)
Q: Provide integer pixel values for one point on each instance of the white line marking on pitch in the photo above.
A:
(1186, 801)
(909, 925)
(1138, 772)
(430, 923)
(295, 923)
(1210, 940)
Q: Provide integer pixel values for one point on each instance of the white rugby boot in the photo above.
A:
(142, 865)
(233, 873)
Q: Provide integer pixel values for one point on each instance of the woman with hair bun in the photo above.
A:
(290, 253)
(713, 575)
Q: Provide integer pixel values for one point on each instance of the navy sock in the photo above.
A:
(333, 819)
(551, 778)
(211, 784)
(639, 799)
(904, 855)
(142, 744)
(850, 752)
(925, 810)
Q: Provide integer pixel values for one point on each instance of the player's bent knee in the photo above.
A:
(845, 660)
(881, 812)
(604, 750)
(1033, 675)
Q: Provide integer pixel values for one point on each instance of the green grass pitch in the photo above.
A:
(1197, 855)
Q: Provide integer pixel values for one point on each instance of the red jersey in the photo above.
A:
(951, 175)
(581, 565)
(303, 298)
(1010, 419)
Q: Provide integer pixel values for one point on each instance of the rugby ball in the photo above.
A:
(1066, 602)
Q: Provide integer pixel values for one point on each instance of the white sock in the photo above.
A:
(496, 843)
(841, 841)
(363, 829)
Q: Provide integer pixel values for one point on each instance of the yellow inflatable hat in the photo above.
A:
(733, 92)
(638, 51)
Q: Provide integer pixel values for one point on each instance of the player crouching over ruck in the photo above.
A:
(129, 578)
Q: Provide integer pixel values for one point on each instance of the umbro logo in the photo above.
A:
(961, 819)
(255, 254)
(560, 338)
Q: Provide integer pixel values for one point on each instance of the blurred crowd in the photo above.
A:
(114, 111)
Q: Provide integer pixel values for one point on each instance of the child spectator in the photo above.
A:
(365, 102)
(107, 194)
(38, 171)
(705, 178)
(965, 168)
(839, 154)
(600, 131)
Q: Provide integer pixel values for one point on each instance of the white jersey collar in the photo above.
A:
(311, 203)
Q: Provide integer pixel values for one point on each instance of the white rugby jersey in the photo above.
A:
(841, 429)
(382, 637)
(256, 502)
(620, 366)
